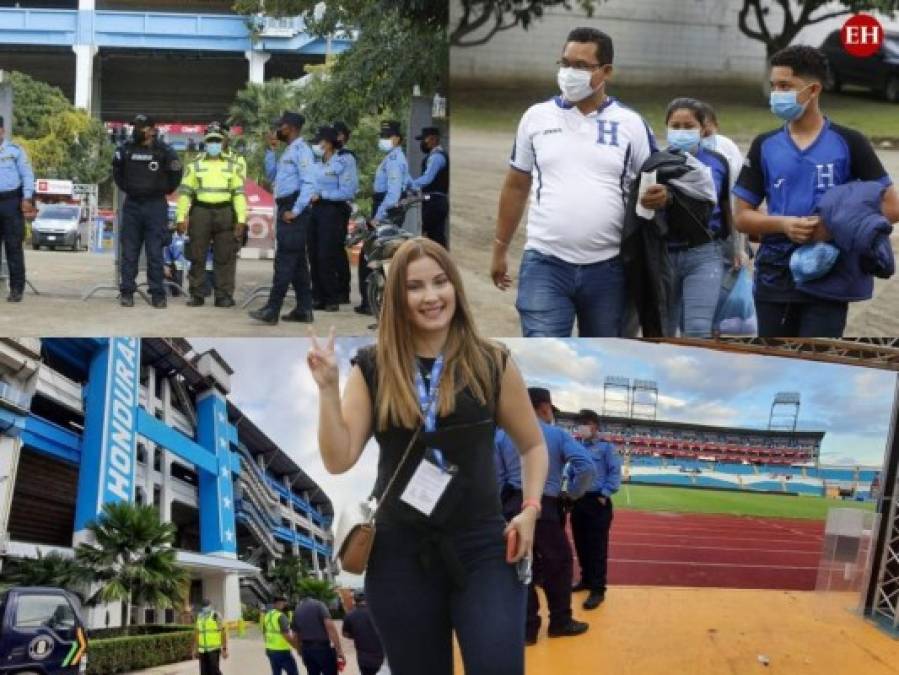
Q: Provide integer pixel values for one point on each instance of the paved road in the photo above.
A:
(247, 657)
(480, 161)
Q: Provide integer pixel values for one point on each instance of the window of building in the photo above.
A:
(157, 459)
(141, 453)
(157, 496)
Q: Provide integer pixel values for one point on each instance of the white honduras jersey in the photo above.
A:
(582, 167)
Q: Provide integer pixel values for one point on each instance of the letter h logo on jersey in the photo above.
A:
(608, 130)
(825, 176)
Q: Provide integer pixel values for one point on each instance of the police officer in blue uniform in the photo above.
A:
(391, 179)
(343, 137)
(591, 515)
(146, 170)
(434, 181)
(293, 175)
(552, 566)
(336, 183)
(16, 194)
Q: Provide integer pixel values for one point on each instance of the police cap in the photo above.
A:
(293, 119)
(390, 128)
(142, 121)
(428, 131)
(325, 134)
(214, 130)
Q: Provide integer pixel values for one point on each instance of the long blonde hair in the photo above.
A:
(470, 360)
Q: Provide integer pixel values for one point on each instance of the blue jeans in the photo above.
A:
(553, 293)
(417, 609)
(816, 318)
(282, 661)
(696, 289)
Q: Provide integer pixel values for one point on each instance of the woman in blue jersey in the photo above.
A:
(697, 268)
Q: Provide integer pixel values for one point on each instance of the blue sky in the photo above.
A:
(272, 385)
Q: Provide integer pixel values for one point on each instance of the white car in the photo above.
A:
(60, 225)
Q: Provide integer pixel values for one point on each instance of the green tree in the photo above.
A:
(132, 559)
(33, 103)
(318, 589)
(480, 20)
(285, 575)
(755, 20)
(53, 569)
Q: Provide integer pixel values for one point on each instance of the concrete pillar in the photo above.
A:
(257, 65)
(166, 493)
(84, 75)
(10, 448)
(218, 531)
(223, 589)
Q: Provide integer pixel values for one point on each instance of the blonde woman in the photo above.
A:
(439, 564)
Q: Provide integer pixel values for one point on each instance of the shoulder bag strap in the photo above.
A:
(397, 470)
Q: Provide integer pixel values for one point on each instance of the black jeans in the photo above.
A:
(291, 264)
(327, 254)
(416, 608)
(320, 660)
(144, 223)
(12, 232)
(434, 213)
(209, 663)
(817, 318)
(590, 525)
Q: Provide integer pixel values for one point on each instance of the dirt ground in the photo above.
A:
(480, 161)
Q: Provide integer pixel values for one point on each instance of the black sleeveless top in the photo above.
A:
(466, 439)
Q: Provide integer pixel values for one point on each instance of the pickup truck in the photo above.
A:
(41, 632)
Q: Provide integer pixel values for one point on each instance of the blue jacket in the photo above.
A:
(608, 467)
(852, 214)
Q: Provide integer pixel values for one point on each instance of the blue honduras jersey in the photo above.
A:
(791, 182)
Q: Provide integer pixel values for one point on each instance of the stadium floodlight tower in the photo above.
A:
(616, 396)
(644, 399)
(784, 413)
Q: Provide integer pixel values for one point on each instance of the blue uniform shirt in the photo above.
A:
(436, 162)
(336, 180)
(607, 464)
(562, 448)
(391, 178)
(791, 182)
(15, 169)
(292, 172)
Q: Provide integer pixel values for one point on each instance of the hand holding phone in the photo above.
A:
(511, 545)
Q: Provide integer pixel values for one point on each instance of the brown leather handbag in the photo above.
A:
(355, 532)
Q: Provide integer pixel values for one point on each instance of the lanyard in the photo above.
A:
(428, 399)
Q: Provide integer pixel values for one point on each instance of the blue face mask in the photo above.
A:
(709, 142)
(318, 151)
(385, 145)
(683, 139)
(213, 149)
(785, 106)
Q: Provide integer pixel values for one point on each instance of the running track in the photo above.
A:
(673, 549)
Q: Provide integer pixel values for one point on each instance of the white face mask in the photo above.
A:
(385, 144)
(575, 84)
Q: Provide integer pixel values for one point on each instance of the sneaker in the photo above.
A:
(14, 296)
(126, 300)
(196, 301)
(159, 302)
(573, 628)
(298, 317)
(594, 600)
(226, 301)
(265, 315)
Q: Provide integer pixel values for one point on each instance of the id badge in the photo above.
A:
(427, 485)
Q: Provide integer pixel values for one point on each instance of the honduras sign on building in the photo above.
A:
(110, 432)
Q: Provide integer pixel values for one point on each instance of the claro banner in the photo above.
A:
(110, 432)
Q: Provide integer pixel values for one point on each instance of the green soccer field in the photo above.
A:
(687, 500)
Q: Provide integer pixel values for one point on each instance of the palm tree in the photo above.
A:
(318, 589)
(285, 576)
(53, 569)
(132, 559)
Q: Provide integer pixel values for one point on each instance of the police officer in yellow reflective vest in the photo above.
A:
(213, 190)
(279, 639)
(210, 640)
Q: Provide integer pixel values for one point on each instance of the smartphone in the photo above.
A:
(524, 570)
(511, 545)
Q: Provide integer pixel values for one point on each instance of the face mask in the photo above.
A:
(213, 149)
(318, 151)
(424, 147)
(785, 106)
(575, 84)
(683, 139)
(709, 142)
(385, 144)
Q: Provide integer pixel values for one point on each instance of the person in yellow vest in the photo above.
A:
(213, 191)
(279, 639)
(210, 640)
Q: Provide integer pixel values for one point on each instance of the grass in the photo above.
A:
(686, 500)
(742, 110)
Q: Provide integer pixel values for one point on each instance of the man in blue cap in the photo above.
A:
(16, 194)
(591, 515)
(292, 175)
(434, 181)
(552, 565)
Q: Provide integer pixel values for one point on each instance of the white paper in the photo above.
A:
(426, 487)
(647, 180)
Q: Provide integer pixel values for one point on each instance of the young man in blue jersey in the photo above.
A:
(789, 169)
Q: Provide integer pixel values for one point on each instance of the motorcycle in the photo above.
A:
(380, 242)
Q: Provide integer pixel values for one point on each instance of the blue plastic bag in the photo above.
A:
(813, 261)
(735, 314)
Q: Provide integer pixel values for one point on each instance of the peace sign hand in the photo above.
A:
(323, 362)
